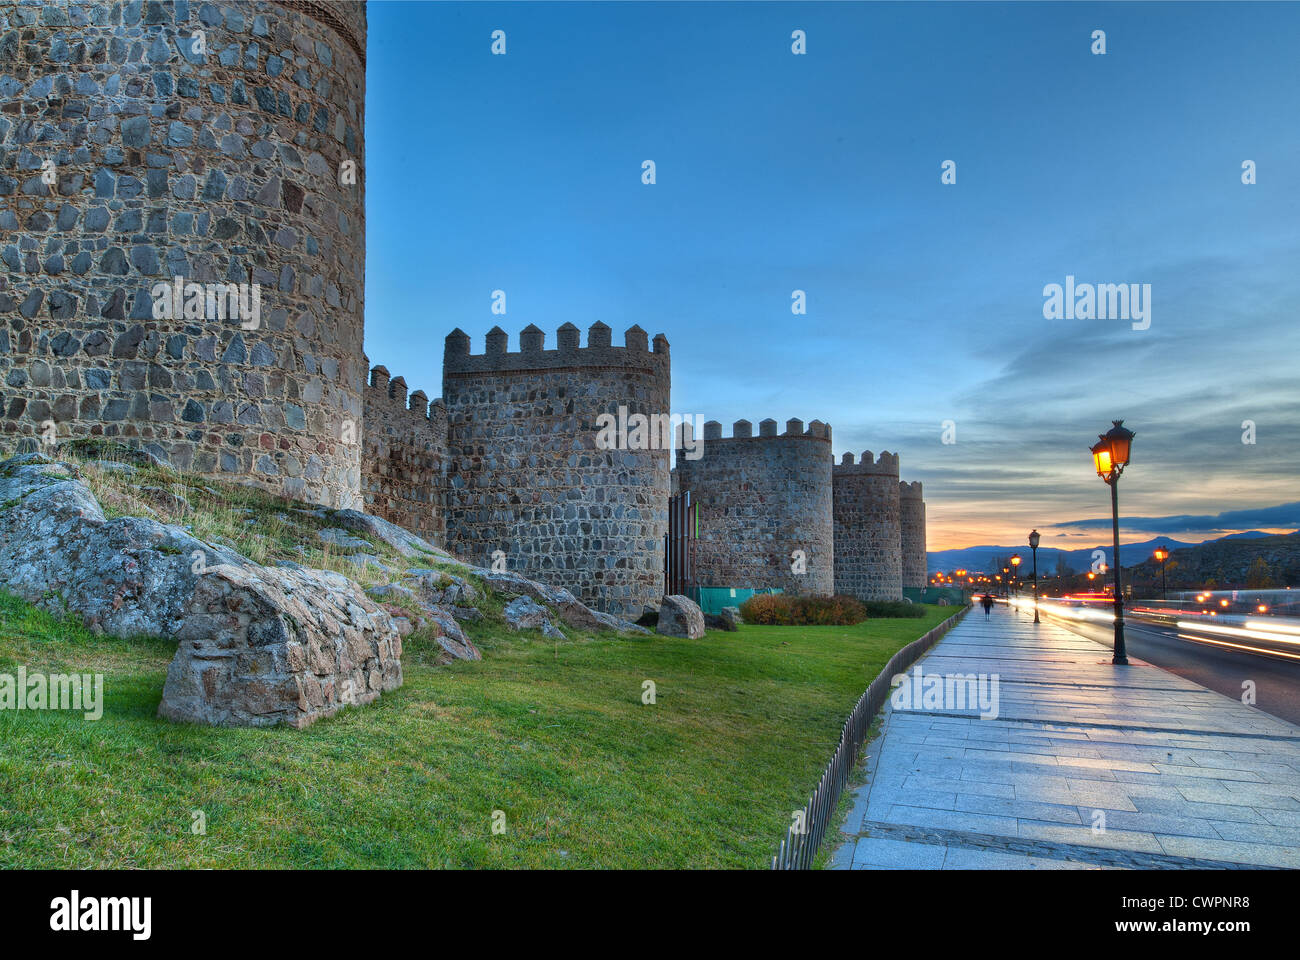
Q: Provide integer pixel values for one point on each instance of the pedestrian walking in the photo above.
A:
(987, 604)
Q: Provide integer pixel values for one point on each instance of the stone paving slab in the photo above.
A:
(1086, 765)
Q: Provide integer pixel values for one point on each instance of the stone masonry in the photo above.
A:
(764, 500)
(912, 524)
(868, 531)
(195, 140)
(404, 462)
(525, 476)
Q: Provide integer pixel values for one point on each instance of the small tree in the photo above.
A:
(1063, 568)
(1259, 576)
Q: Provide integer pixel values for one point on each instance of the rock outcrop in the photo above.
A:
(571, 610)
(680, 617)
(403, 541)
(266, 645)
(525, 613)
(258, 645)
(130, 576)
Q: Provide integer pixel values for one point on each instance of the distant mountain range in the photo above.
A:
(1232, 561)
(983, 557)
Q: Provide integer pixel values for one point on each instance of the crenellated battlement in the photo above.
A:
(744, 430)
(389, 394)
(636, 352)
(886, 465)
(909, 491)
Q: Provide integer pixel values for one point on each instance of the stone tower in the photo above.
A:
(868, 530)
(912, 517)
(761, 500)
(146, 141)
(527, 476)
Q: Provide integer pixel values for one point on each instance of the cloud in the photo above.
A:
(1284, 515)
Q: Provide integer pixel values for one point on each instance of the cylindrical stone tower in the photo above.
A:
(911, 510)
(868, 564)
(182, 234)
(537, 470)
(765, 507)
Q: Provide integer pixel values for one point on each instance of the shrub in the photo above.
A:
(893, 608)
(779, 609)
(766, 608)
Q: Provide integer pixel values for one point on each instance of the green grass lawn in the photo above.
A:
(553, 735)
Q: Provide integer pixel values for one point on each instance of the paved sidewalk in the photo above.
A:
(1183, 776)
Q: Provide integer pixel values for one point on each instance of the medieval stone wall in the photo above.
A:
(148, 140)
(404, 457)
(195, 140)
(868, 532)
(912, 529)
(527, 477)
(761, 499)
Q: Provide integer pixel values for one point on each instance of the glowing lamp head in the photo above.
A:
(1015, 561)
(1101, 459)
(1161, 554)
(1110, 454)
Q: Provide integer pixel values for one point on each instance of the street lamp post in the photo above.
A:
(1162, 555)
(1110, 456)
(1033, 547)
(1015, 571)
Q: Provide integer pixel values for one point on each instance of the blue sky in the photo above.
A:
(822, 173)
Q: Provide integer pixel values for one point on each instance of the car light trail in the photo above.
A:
(1239, 646)
(1249, 634)
(1281, 627)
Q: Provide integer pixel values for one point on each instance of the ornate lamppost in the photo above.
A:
(1162, 555)
(1033, 547)
(1015, 571)
(1110, 455)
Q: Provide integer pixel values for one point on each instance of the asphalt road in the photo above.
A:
(1277, 681)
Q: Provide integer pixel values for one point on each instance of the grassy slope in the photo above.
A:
(553, 734)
